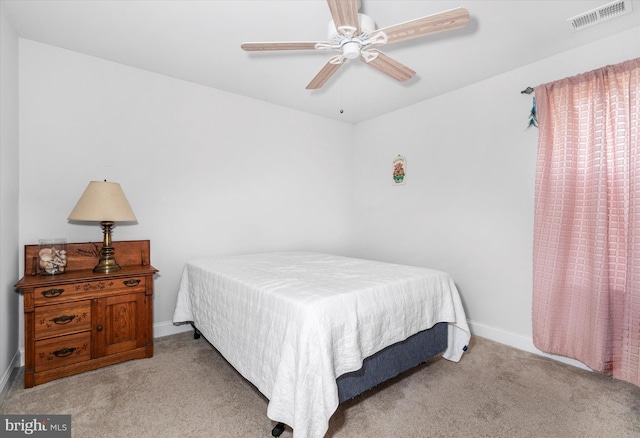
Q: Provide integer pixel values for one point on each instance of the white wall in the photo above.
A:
(9, 299)
(210, 173)
(206, 172)
(467, 207)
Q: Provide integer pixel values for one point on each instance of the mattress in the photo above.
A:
(293, 322)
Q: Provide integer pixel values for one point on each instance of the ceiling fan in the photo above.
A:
(354, 35)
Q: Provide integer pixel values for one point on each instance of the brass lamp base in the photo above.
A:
(107, 263)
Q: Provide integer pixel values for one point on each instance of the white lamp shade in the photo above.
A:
(103, 201)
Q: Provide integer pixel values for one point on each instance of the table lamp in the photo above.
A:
(103, 202)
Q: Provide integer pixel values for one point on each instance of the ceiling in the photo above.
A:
(199, 41)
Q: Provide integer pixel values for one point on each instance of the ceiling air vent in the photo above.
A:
(598, 15)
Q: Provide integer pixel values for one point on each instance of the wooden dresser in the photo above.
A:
(78, 320)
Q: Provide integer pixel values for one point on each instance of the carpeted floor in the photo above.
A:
(188, 390)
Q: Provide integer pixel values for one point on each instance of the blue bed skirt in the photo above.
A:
(393, 360)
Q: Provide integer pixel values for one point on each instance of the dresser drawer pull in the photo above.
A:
(64, 319)
(64, 352)
(52, 293)
(131, 283)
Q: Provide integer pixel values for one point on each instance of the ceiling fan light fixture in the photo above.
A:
(351, 50)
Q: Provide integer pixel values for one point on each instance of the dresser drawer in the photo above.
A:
(66, 292)
(60, 319)
(61, 351)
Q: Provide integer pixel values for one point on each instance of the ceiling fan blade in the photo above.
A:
(440, 22)
(345, 13)
(323, 75)
(293, 45)
(389, 66)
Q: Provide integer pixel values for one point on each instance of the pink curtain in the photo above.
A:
(586, 287)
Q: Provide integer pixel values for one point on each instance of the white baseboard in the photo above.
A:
(167, 328)
(518, 341)
(6, 381)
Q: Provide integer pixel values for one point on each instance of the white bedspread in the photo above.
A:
(291, 323)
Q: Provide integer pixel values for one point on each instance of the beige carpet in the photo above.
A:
(188, 390)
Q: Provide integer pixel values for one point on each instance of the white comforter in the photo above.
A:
(291, 323)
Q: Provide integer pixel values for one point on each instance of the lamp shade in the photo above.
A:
(103, 201)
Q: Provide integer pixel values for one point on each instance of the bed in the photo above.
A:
(300, 325)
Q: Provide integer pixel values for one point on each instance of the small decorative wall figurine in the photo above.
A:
(399, 170)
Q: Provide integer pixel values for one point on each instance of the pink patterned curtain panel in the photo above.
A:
(586, 287)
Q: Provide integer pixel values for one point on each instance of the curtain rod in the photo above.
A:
(527, 90)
